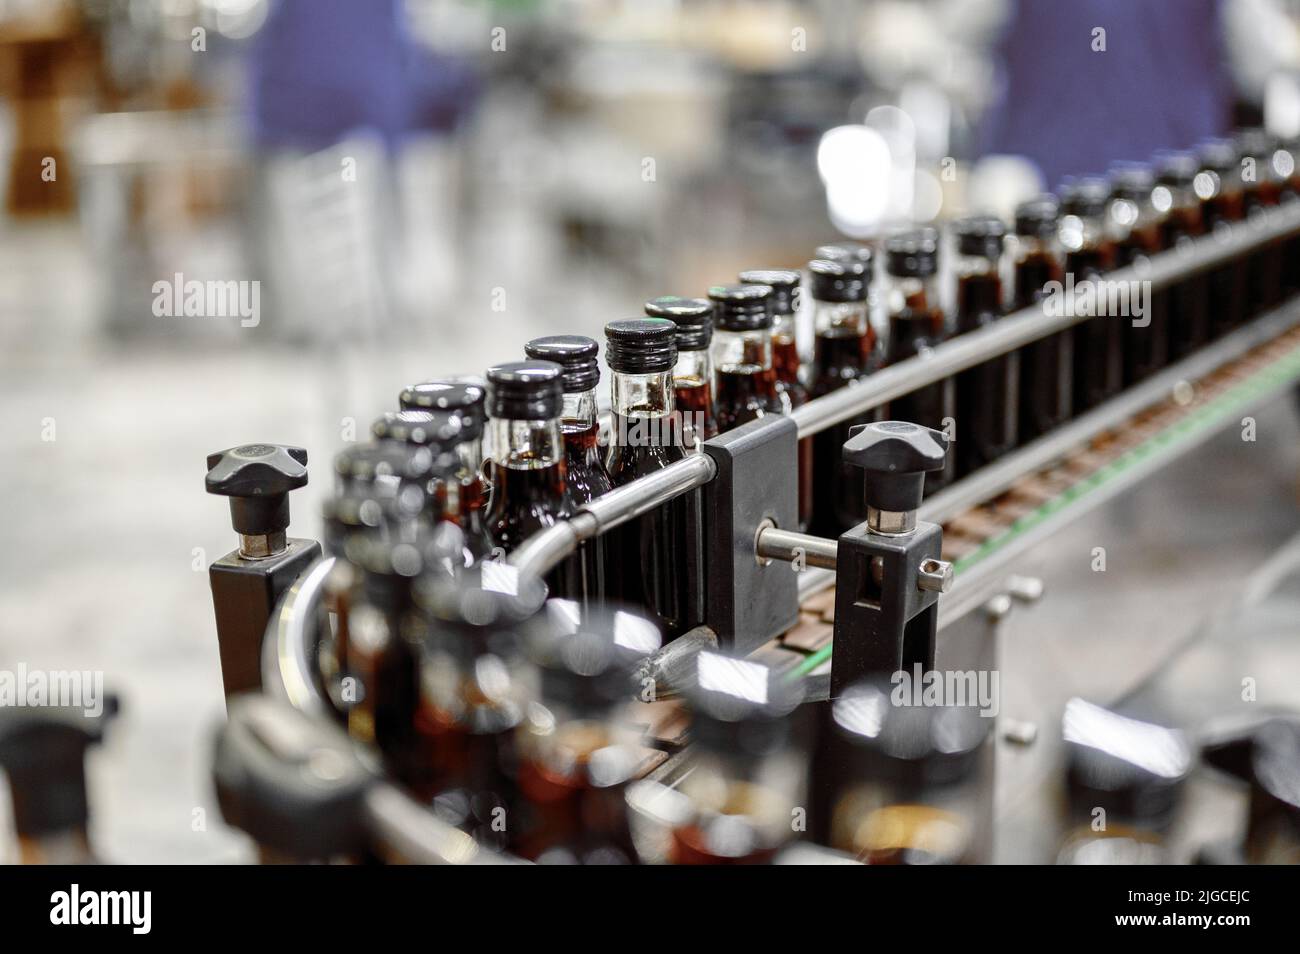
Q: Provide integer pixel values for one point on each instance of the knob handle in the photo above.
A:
(296, 785)
(257, 478)
(895, 456)
(42, 750)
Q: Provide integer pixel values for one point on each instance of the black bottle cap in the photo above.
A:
(465, 395)
(435, 430)
(784, 283)
(838, 280)
(1134, 770)
(1085, 196)
(43, 751)
(980, 235)
(917, 746)
(641, 345)
(576, 354)
(587, 656)
(850, 251)
(1176, 167)
(1038, 217)
(293, 783)
(1131, 180)
(741, 707)
(742, 307)
(912, 254)
(525, 391)
(383, 465)
(895, 457)
(257, 478)
(692, 316)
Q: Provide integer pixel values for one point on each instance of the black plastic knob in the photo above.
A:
(293, 783)
(257, 478)
(42, 750)
(896, 456)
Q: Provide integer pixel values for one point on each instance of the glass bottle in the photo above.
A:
(1046, 365)
(529, 472)
(841, 326)
(987, 393)
(1219, 186)
(749, 769)
(693, 374)
(1134, 225)
(917, 325)
(903, 780)
(743, 378)
(1175, 197)
(790, 388)
(655, 560)
(463, 500)
(578, 746)
(1260, 153)
(1089, 255)
(871, 342)
(586, 477)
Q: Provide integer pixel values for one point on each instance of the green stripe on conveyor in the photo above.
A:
(1278, 373)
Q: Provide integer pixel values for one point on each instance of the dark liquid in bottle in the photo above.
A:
(1266, 265)
(1189, 316)
(1046, 365)
(785, 364)
(467, 512)
(912, 331)
(655, 560)
(1230, 283)
(693, 401)
(586, 480)
(526, 500)
(986, 393)
(837, 494)
(745, 393)
(569, 819)
(1098, 341)
(1146, 349)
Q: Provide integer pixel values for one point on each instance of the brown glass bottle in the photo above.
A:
(693, 374)
(529, 487)
(986, 394)
(841, 324)
(917, 325)
(1261, 191)
(1046, 365)
(741, 353)
(462, 499)
(1175, 196)
(790, 389)
(656, 560)
(1089, 255)
(1134, 222)
(1222, 203)
(586, 477)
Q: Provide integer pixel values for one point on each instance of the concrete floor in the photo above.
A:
(109, 532)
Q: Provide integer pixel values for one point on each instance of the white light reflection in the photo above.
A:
(1160, 751)
(735, 677)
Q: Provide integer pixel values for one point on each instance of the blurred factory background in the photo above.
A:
(418, 187)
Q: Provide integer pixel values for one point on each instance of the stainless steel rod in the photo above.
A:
(775, 544)
(1030, 324)
(543, 551)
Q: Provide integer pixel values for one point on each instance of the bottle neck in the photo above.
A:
(579, 410)
(642, 395)
(783, 325)
(742, 352)
(909, 294)
(840, 318)
(693, 365)
(526, 445)
(470, 456)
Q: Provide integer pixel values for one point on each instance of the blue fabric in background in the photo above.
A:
(1162, 82)
(321, 69)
